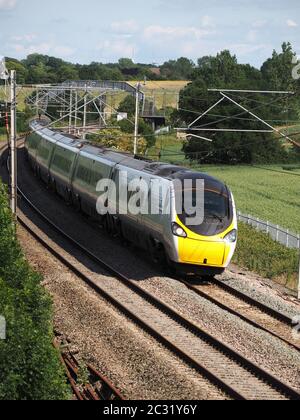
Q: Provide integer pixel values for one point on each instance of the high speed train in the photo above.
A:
(73, 169)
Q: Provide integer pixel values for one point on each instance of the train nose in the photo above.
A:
(203, 252)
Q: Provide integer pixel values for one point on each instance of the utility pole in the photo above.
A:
(84, 114)
(71, 111)
(37, 102)
(76, 111)
(13, 140)
(136, 125)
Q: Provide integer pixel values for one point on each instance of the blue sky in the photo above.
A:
(152, 32)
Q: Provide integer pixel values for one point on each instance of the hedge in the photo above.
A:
(29, 365)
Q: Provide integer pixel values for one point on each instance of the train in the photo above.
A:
(73, 168)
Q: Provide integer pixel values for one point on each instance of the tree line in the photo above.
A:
(38, 68)
(224, 72)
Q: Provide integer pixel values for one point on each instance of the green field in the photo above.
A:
(272, 196)
(257, 252)
(271, 193)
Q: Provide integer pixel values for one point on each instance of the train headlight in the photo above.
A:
(178, 231)
(231, 237)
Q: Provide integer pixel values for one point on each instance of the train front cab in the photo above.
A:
(208, 247)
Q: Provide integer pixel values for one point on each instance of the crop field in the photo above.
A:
(165, 93)
(271, 193)
(257, 252)
(273, 196)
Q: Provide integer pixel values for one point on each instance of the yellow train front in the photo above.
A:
(206, 248)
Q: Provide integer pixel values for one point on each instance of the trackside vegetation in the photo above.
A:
(29, 365)
(258, 252)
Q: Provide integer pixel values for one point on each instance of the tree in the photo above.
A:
(145, 130)
(128, 106)
(67, 72)
(114, 138)
(181, 69)
(22, 72)
(126, 63)
(223, 71)
(277, 75)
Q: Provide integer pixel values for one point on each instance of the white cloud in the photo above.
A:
(245, 49)
(173, 41)
(7, 4)
(172, 33)
(43, 48)
(207, 22)
(125, 27)
(291, 23)
(26, 38)
(116, 49)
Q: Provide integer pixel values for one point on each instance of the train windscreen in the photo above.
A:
(216, 214)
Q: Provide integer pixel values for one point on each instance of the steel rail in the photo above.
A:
(169, 311)
(71, 366)
(253, 302)
(199, 332)
(246, 299)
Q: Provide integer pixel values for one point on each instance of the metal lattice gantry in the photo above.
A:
(74, 103)
(79, 104)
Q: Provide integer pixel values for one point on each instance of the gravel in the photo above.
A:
(263, 290)
(134, 362)
(257, 345)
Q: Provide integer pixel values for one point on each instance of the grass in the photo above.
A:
(268, 192)
(259, 253)
(170, 148)
(271, 196)
(22, 94)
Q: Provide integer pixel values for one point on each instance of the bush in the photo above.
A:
(30, 366)
(259, 253)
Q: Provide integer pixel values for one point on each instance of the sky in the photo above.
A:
(152, 32)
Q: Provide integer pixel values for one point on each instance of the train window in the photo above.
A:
(84, 174)
(34, 141)
(216, 205)
(62, 163)
(97, 176)
(217, 215)
(43, 152)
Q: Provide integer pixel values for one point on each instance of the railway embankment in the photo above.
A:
(33, 371)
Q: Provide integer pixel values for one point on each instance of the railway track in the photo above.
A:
(247, 309)
(89, 385)
(229, 370)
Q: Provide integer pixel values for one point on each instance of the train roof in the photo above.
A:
(159, 169)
